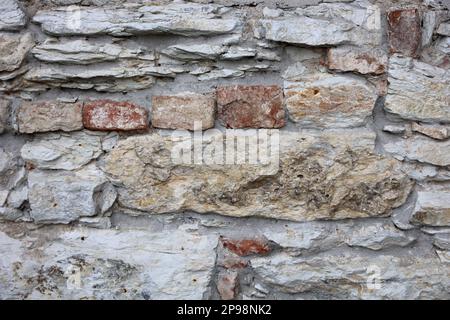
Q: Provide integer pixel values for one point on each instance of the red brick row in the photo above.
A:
(238, 106)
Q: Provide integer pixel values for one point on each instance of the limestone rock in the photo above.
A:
(333, 175)
(236, 53)
(90, 2)
(49, 116)
(85, 52)
(418, 91)
(265, 54)
(438, 4)
(365, 61)
(62, 151)
(338, 23)
(405, 31)
(11, 16)
(186, 19)
(194, 51)
(433, 131)
(109, 115)
(17, 197)
(96, 222)
(12, 173)
(13, 50)
(315, 236)
(327, 101)
(10, 214)
(86, 263)
(396, 129)
(116, 78)
(420, 149)
(256, 106)
(376, 236)
(181, 111)
(444, 29)
(429, 24)
(444, 255)
(354, 275)
(443, 45)
(4, 114)
(442, 241)
(221, 73)
(295, 72)
(432, 208)
(65, 196)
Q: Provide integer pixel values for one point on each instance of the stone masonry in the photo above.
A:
(294, 149)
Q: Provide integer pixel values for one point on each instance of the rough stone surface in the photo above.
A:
(325, 176)
(85, 53)
(444, 29)
(49, 116)
(13, 50)
(365, 61)
(4, 114)
(12, 186)
(194, 52)
(119, 78)
(405, 33)
(108, 115)
(325, 101)
(250, 106)
(62, 151)
(298, 238)
(84, 263)
(301, 188)
(418, 91)
(394, 129)
(421, 149)
(221, 73)
(65, 196)
(435, 132)
(11, 17)
(376, 236)
(339, 23)
(183, 110)
(400, 277)
(172, 18)
(432, 208)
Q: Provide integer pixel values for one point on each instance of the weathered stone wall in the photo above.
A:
(354, 201)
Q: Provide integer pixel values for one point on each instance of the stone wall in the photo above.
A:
(119, 180)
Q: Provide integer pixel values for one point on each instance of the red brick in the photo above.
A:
(405, 33)
(256, 106)
(246, 247)
(182, 110)
(108, 115)
(46, 116)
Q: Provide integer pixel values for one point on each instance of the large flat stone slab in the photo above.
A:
(327, 24)
(355, 275)
(175, 18)
(334, 175)
(65, 196)
(418, 91)
(85, 263)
